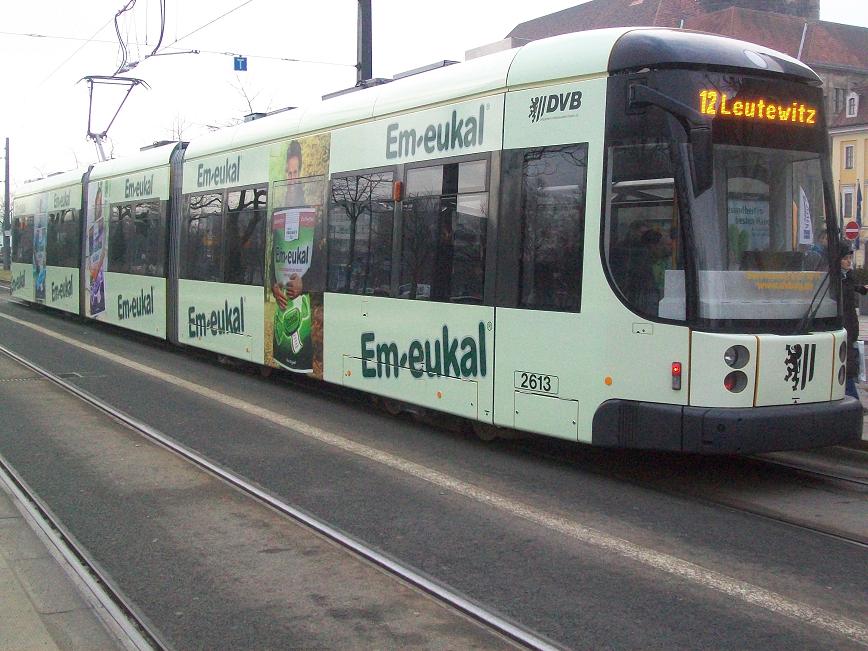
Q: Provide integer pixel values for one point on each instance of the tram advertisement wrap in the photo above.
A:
(95, 234)
(292, 242)
(40, 239)
(297, 171)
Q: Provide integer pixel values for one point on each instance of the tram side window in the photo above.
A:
(553, 225)
(147, 241)
(22, 239)
(642, 243)
(360, 219)
(299, 206)
(202, 233)
(120, 220)
(245, 236)
(443, 243)
(61, 247)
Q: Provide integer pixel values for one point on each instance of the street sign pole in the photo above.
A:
(6, 252)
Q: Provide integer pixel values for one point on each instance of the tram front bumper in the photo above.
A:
(717, 430)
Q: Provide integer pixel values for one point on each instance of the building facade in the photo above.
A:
(848, 128)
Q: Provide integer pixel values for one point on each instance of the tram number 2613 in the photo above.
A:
(537, 382)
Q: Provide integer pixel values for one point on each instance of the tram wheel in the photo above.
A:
(391, 406)
(485, 431)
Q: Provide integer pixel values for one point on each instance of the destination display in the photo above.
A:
(713, 102)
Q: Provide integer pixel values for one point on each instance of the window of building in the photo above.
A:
(443, 242)
(849, 153)
(61, 247)
(852, 105)
(840, 95)
(361, 216)
(847, 204)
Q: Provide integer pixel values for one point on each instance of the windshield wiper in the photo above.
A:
(808, 319)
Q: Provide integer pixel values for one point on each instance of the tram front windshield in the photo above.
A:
(758, 224)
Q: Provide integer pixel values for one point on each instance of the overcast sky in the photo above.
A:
(44, 107)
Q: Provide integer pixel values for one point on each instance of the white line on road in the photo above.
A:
(751, 594)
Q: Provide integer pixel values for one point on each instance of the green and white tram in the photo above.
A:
(46, 250)
(610, 237)
(126, 240)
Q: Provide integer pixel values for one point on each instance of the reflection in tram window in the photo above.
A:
(361, 215)
(443, 247)
(62, 249)
(553, 211)
(642, 236)
(245, 236)
(202, 235)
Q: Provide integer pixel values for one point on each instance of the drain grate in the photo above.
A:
(22, 379)
(65, 376)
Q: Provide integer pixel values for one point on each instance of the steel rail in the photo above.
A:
(121, 617)
(807, 470)
(739, 506)
(510, 630)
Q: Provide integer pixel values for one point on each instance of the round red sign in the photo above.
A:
(851, 230)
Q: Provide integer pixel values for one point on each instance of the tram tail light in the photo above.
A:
(735, 382)
(676, 376)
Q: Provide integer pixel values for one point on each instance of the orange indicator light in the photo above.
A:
(608, 380)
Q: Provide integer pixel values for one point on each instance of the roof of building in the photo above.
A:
(840, 120)
(598, 14)
(826, 44)
(829, 44)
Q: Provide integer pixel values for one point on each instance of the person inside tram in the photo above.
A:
(633, 266)
(816, 256)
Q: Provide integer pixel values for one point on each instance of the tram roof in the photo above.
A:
(560, 57)
(49, 183)
(568, 56)
(142, 160)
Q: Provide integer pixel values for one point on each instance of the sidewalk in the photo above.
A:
(41, 606)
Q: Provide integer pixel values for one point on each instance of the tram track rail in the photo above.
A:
(808, 471)
(118, 613)
(441, 593)
(672, 489)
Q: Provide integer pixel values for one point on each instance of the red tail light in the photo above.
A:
(676, 376)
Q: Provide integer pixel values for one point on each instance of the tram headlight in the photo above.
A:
(735, 382)
(736, 356)
(842, 351)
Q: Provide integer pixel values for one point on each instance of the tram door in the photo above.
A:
(540, 256)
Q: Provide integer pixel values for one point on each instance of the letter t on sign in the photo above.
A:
(240, 64)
